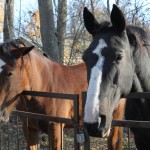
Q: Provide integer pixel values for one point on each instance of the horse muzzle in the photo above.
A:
(4, 115)
(98, 129)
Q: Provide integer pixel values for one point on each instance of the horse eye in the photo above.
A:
(9, 74)
(118, 57)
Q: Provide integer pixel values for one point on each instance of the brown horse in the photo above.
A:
(23, 69)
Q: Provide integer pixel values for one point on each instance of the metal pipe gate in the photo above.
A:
(74, 121)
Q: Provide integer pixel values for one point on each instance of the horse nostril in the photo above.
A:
(101, 122)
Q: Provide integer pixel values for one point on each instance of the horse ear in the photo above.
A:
(117, 19)
(90, 22)
(21, 51)
(27, 50)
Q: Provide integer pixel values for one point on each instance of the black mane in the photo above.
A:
(137, 36)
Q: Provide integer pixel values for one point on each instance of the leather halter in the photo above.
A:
(6, 104)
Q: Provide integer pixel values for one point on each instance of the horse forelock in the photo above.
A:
(104, 25)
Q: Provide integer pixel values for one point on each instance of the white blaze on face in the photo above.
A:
(2, 63)
(91, 111)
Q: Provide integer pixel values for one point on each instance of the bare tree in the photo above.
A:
(61, 26)
(47, 28)
(117, 2)
(108, 6)
(68, 43)
(137, 12)
(8, 20)
(92, 6)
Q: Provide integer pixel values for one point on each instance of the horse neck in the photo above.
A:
(142, 74)
(141, 59)
(40, 70)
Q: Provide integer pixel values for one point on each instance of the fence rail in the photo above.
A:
(42, 117)
(126, 123)
(75, 120)
(131, 123)
(139, 95)
(134, 123)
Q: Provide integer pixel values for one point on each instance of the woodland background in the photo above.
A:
(56, 26)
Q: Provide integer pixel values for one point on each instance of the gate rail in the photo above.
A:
(125, 123)
(75, 120)
(129, 123)
(134, 123)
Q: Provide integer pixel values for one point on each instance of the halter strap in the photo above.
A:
(6, 104)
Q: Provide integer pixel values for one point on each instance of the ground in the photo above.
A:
(11, 137)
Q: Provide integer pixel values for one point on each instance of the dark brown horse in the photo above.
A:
(23, 69)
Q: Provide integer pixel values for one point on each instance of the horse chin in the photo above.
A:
(107, 133)
(4, 116)
(94, 131)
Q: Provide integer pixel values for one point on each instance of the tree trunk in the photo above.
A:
(47, 28)
(117, 2)
(61, 26)
(8, 20)
(92, 7)
(108, 6)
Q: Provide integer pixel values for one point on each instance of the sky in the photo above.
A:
(26, 4)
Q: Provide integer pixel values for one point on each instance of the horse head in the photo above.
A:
(110, 70)
(12, 74)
